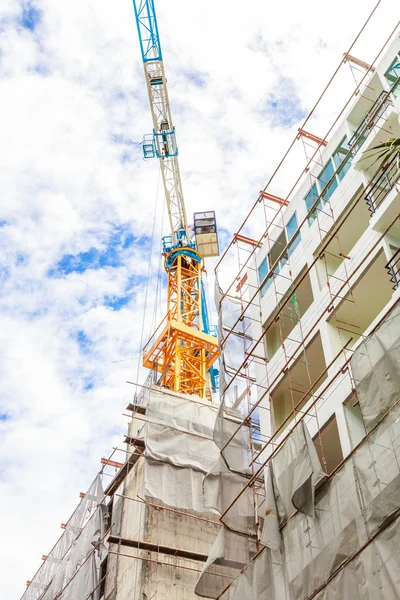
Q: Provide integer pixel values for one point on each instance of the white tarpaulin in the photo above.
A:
(291, 478)
(179, 431)
(238, 341)
(83, 533)
(174, 486)
(376, 369)
(354, 516)
(230, 553)
(221, 487)
(84, 586)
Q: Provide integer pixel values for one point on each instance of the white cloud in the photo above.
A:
(74, 108)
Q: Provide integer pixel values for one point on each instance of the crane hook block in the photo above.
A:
(205, 229)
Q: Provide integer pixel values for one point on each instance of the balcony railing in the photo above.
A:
(369, 121)
(393, 268)
(384, 182)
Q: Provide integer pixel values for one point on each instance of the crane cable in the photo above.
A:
(148, 277)
(157, 299)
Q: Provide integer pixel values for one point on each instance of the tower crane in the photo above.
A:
(181, 350)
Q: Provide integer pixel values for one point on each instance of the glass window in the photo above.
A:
(291, 228)
(276, 251)
(310, 199)
(325, 177)
(272, 257)
(392, 74)
(262, 273)
(340, 160)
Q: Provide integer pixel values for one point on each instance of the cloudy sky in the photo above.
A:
(81, 215)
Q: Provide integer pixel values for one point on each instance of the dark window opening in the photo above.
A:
(328, 446)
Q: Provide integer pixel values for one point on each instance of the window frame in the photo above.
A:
(391, 79)
(267, 259)
(289, 236)
(264, 288)
(339, 171)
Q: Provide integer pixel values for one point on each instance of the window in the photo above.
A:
(309, 200)
(262, 273)
(331, 448)
(392, 74)
(276, 252)
(329, 178)
(291, 228)
(269, 260)
(288, 397)
(296, 304)
(341, 161)
(325, 177)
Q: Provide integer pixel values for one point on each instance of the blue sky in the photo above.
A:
(283, 106)
(82, 214)
(30, 16)
(109, 254)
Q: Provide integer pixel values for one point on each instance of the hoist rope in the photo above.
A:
(148, 277)
(157, 299)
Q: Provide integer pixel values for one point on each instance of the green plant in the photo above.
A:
(387, 151)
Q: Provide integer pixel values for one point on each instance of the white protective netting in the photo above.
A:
(230, 553)
(186, 464)
(231, 472)
(235, 349)
(192, 463)
(180, 449)
(376, 369)
(351, 516)
(77, 555)
(292, 476)
(332, 540)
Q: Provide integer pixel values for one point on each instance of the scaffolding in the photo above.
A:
(314, 528)
(202, 498)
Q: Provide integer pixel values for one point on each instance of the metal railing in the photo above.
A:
(385, 182)
(393, 268)
(369, 121)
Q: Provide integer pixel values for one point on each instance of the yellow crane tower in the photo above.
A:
(181, 350)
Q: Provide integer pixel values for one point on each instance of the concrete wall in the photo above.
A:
(141, 578)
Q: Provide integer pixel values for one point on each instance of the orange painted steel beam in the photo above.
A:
(111, 463)
(358, 62)
(280, 201)
(312, 137)
(238, 237)
(241, 283)
(179, 349)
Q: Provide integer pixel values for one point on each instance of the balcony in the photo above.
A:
(383, 184)
(393, 268)
(369, 121)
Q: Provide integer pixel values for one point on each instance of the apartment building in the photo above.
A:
(311, 337)
(329, 270)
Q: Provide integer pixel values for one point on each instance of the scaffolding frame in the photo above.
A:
(117, 471)
(250, 296)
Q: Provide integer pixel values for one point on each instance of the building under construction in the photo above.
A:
(288, 486)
